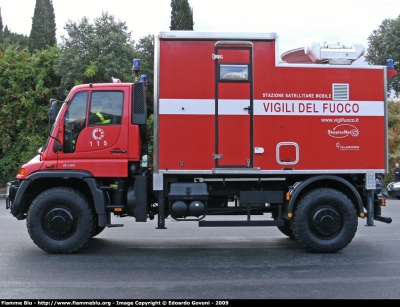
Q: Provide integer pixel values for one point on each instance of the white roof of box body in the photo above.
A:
(217, 35)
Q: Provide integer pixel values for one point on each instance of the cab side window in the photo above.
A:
(106, 108)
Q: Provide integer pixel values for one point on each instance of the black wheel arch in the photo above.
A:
(329, 181)
(38, 182)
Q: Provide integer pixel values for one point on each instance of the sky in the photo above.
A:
(296, 22)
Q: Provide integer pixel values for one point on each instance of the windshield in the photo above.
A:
(52, 128)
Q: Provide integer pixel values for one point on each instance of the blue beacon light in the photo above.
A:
(389, 64)
(136, 66)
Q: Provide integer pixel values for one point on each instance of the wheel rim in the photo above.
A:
(59, 223)
(327, 222)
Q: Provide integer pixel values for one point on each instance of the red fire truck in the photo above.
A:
(240, 132)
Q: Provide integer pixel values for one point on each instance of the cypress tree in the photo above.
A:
(181, 15)
(1, 28)
(43, 32)
(1, 23)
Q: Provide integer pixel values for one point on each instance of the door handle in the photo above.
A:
(118, 151)
(248, 109)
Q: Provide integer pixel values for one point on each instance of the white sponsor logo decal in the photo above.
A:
(343, 131)
(347, 147)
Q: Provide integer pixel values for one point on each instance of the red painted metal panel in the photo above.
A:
(186, 142)
(230, 90)
(287, 153)
(233, 130)
(134, 143)
(187, 69)
(236, 56)
(318, 150)
(233, 140)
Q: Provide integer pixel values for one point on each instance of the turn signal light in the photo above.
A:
(21, 172)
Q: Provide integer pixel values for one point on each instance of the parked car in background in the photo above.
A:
(393, 189)
(379, 186)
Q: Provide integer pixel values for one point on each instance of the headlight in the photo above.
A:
(393, 185)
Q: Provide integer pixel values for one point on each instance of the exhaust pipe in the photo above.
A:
(384, 219)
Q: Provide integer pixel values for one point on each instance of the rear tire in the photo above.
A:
(60, 221)
(286, 229)
(325, 221)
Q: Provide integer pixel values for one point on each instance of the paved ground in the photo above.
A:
(140, 263)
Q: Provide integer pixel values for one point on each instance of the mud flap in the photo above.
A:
(100, 202)
(140, 202)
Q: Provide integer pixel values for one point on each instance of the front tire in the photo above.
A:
(60, 221)
(325, 221)
(98, 230)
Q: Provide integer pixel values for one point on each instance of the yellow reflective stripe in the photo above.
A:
(102, 120)
(100, 116)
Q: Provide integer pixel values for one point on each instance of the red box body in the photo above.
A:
(304, 117)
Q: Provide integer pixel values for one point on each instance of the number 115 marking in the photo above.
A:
(98, 143)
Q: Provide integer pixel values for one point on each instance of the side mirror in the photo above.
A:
(53, 110)
(57, 146)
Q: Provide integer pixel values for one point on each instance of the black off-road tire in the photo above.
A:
(286, 229)
(325, 221)
(60, 221)
(98, 230)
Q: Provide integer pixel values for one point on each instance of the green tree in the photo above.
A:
(43, 32)
(394, 131)
(144, 50)
(8, 38)
(13, 40)
(181, 15)
(95, 52)
(1, 24)
(27, 83)
(383, 44)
